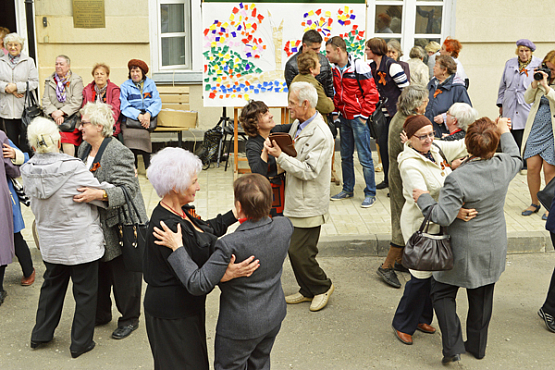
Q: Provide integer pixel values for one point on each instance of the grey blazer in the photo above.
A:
(479, 245)
(250, 307)
(117, 167)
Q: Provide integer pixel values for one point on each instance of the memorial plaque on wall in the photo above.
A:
(88, 14)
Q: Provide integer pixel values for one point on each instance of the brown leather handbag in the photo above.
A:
(284, 141)
(428, 252)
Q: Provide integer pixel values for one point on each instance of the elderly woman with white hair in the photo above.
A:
(17, 75)
(457, 119)
(70, 235)
(110, 161)
(176, 329)
(419, 73)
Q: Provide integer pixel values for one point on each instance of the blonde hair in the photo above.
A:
(432, 47)
(43, 135)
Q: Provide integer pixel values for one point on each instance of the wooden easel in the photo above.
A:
(236, 159)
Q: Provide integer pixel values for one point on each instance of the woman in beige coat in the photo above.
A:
(16, 70)
(63, 96)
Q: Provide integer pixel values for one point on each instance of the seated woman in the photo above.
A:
(479, 245)
(176, 329)
(63, 96)
(103, 90)
(457, 119)
(241, 344)
(258, 122)
(141, 102)
(71, 238)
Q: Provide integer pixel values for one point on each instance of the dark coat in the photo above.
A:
(117, 167)
(451, 92)
(479, 245)
(250, 307)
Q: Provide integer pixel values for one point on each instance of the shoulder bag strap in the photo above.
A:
(441, 153)
(427, 220)
(130, 205)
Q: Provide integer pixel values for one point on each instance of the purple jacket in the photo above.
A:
(511, 91)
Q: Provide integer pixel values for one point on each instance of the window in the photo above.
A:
(174, 28)
(411, 22)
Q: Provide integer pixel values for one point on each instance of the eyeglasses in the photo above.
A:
(83, 123)
(428, 136)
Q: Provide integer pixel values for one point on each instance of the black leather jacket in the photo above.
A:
(325, 77)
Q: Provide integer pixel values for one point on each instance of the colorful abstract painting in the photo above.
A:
(246, 45)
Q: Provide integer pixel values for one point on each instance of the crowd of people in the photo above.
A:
(79, 161)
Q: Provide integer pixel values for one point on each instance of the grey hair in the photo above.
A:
(395, 45)
(14, 37)
(411, 98)
(100, 114)
(464, 114)
(306, 92)
(173, 169)
(68, 61)
(417, 52)
(43, 135)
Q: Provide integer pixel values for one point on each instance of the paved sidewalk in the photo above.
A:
(353, 231)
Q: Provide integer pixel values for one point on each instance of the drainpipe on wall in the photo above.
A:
(30, 29)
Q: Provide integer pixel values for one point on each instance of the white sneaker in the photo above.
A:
(321, 300)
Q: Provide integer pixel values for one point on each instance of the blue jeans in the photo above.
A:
(354, 132)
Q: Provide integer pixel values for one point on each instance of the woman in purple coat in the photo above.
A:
(6, 216)
(517, 76)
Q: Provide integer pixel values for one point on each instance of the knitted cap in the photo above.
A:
(138, 63)
(415, 123)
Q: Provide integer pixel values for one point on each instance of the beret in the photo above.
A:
(415, 123)
(138, 63)
(525, 42)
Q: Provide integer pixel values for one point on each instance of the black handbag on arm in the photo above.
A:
(133, 123)
(428, 252)
(31, 109)
(132, 235)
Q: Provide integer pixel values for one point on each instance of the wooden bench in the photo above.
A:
(176, 98)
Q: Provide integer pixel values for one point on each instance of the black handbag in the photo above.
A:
(70, 122)
(377, 122)
(132, 235)
(31, 109)
(428, 252)
(545, 196)
(133, 123)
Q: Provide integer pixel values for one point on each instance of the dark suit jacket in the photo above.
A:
(250, 307)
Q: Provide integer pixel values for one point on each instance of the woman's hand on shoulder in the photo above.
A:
(403, 137)
(168, 238)
(241, 269)
(87, 195)
(8, 151)
(503, 125)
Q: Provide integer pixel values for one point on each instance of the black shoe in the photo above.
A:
(548, 320)
(389, 276)
(399, 267)
(3, 295)
(124, 331)
(37, 343)
(472, 352)
(382, 185)
(89, 348)
(448, 359)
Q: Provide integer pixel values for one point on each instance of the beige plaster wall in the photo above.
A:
(125, 37)
(488, 31)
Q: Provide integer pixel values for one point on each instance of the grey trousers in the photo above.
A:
(302, 254)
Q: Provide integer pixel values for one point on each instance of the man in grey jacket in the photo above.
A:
(307, 190)
(312, 40)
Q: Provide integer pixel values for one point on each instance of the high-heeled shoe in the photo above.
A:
(528, 212)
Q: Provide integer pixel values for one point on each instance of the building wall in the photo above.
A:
(488, 31)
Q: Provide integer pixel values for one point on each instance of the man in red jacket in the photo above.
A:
(355, 100)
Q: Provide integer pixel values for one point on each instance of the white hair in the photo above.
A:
(100, 114)
(306, 91)
(464, 114)
(14, 37)
(43, 135)
(68, 61)
(173, 169)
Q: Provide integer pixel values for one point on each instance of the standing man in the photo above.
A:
(312, 40)
(355, 100)
(307, 188)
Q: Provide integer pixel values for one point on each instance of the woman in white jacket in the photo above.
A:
(16, 69)
(423, 165)
(71, 238)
